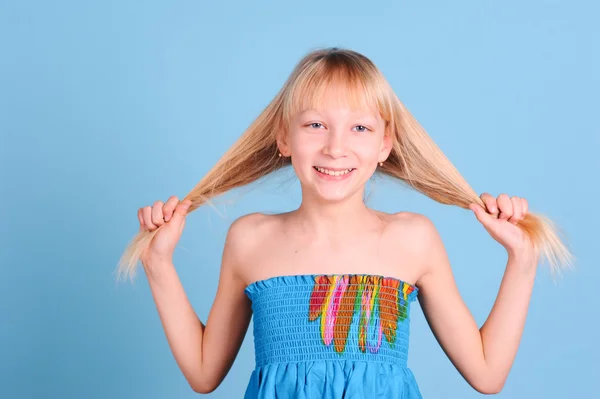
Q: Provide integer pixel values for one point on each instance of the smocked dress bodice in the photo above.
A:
(331, 336)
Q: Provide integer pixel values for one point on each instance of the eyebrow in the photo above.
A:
(357, 115)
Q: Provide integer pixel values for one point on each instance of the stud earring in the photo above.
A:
(380, 163)
(279, 155)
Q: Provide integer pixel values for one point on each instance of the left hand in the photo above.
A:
(505, 228)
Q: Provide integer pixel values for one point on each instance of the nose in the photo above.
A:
(335, 144)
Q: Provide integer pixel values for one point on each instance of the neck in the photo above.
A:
(323, 219)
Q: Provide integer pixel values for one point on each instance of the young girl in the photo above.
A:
(330, 284)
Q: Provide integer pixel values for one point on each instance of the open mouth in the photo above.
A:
(333, 172)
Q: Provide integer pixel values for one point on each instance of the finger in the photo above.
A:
(147, 215)
(181, 211)
(516, 205)
(525, 207)
(505, 207)
(182, 226)
(169, 207)
(481, 214)
(157, 213)
(490, 202)
(141, 219)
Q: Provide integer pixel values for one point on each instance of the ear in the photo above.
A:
(283, 143)
(386, 147)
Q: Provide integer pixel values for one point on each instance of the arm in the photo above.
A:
(204, 353)
(482, 356)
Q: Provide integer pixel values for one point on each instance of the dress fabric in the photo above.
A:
(331, 336)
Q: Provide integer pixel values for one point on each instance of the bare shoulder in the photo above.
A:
(250, 230)
(414, 225)
(247, 235)
(417, 237)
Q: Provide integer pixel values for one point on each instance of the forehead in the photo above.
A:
(337, 100)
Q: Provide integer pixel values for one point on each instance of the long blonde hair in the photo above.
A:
(414, 159)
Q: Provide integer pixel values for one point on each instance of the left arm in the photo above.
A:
(483, 356)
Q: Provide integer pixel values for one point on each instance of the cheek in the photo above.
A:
(303, 148)
(367, 153)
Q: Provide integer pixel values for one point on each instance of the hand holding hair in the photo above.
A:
(169, 219)
(501, 218)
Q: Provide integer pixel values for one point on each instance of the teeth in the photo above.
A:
(333, 172)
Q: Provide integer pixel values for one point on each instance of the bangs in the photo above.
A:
(339, 82)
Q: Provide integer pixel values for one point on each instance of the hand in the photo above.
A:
(172, 215)
(504, 229)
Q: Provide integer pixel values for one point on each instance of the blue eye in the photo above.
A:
(363, 127)
(315, 123)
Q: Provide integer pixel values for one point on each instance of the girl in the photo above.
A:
(330, 284)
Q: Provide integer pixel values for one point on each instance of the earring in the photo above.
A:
(279, 155)
(380, 163)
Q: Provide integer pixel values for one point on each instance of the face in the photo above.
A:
(335, 150)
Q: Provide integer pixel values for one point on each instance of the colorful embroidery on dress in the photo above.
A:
(380, 302)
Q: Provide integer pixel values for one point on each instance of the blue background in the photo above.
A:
(108, 106)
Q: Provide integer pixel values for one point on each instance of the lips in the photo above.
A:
(334, 172)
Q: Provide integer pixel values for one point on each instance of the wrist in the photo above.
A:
(156, 261)
(523, 259)
(154, 267)
(522, 253)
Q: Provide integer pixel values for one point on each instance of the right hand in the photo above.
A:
(172, 215)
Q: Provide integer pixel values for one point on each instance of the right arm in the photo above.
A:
(204, 352)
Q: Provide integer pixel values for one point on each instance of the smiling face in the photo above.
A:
(335, 148)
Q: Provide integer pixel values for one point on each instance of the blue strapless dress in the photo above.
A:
(331, 336)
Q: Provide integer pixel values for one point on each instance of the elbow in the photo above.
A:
(489, 386)
(491, 390)
(202, 388)
(202, 385)
(200, 380)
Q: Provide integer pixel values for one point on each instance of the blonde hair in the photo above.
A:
(414, 159)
